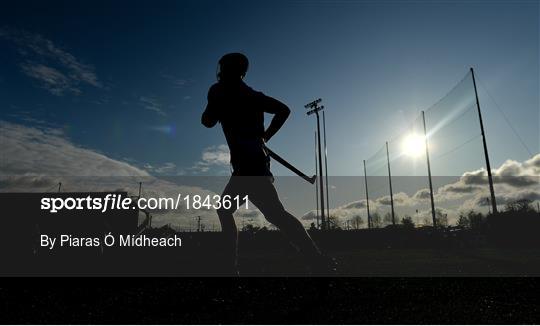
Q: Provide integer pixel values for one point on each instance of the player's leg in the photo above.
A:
(228, 227)
(263, 195)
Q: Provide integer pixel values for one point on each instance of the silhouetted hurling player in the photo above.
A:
(240, 111)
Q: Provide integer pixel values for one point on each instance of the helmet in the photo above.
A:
(232, 65)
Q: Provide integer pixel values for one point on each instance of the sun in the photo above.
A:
(413, 145)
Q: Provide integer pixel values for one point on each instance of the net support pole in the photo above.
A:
(433, 215)
(390, 184)
(367, 197)
(488, 165)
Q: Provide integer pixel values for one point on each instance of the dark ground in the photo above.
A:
(345, 300)
(270, 300)
(300, 300)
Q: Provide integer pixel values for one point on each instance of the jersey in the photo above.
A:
(240, 111)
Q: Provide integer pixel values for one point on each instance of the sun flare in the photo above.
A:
(413, 145)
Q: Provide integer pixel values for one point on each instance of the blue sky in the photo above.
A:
(130, 79)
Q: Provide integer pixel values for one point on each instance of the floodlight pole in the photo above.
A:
(316, 183)
(321, 183)
(433, 216)
(315, 108)
(390, 183)
(488, 166)
(326, 166)
(367, 198)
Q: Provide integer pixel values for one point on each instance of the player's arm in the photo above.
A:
(210, 117)
(281, 113)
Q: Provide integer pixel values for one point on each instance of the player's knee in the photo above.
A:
(226, 220)
(277, 215)
(225, 215)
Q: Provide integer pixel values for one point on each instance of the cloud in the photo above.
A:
(57, 70)
(400, 198)
(46, 151)
(513, 180)
(511, 173)
(217, 155)
(250, 216)
(167, 168)
(214, 156)
(458, 188)
(356, 205)
(152, 104)
(511, 176)
(36, 159)
(309, 216)
(346, 212)
(504, 195)
(530, 194)
(530, 167)
(53, 80)
(422, 194)
(519, 174)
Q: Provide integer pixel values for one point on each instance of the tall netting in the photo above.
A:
(455, 149)
(450, 128)
(454, 131)
(379, 188)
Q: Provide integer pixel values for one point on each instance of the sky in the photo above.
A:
(123, 84)
(145, 69)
